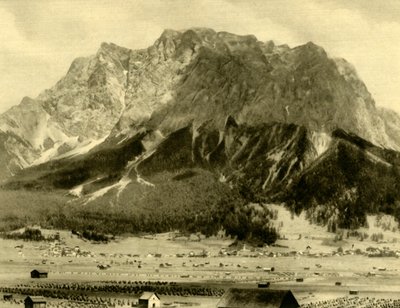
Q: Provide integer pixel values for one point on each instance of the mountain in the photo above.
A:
(77, 113)
(267, 122)
(195, 75)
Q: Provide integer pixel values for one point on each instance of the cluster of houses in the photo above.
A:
(382, 252)
(56, 249)
(369, 252)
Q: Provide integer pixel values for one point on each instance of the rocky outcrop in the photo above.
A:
(80, 109)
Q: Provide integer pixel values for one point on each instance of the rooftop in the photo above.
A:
(36, 299)
(147, 295)
(254, 298)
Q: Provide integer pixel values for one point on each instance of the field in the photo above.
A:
(195, 271)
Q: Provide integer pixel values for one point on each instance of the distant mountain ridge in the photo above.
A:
(269, 121)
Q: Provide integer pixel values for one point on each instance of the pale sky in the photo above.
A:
(39, 39)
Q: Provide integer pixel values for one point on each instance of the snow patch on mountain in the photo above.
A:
(45, 156)
(100, 193)
(292, 163)
(321, 142)
(83, 148)
(73, 143)
(273, 170)
(123, 183)
(119, 186)
(376, 159)
(142, 181)
(76, 191)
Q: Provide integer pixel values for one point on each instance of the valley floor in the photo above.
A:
(145, 259)
(196, 271)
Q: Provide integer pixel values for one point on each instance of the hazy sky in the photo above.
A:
(39, 39)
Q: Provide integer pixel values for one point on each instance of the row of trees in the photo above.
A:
(29, 234)
(72, 291)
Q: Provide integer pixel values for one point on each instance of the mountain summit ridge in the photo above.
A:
(195, 75)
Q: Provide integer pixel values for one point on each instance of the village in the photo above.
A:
(195, 271)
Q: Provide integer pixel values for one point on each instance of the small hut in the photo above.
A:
(35, 302)
(149, 300)
(38, 274)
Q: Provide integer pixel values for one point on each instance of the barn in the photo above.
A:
(255, 298)
(149, 300)
(35, 302)
(38, 274)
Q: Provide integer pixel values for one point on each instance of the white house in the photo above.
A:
(149, 300)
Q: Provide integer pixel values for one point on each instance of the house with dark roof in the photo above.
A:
(38, 274)
(35, 302)
(149, 300)
(257, 298)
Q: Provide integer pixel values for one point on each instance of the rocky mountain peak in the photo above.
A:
(197, 76)
(28, 102)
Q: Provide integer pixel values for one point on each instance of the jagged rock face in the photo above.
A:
(5, 158)
(200, 75)
(83, 106)
(391, 122)
(194, 77)
(369, 121)
(30, 131)
(264, 158)
(89, 100)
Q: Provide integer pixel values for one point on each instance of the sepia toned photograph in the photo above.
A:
(200, 153)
